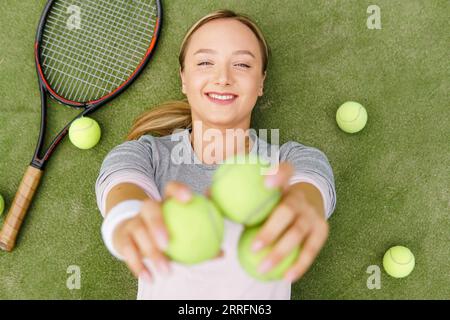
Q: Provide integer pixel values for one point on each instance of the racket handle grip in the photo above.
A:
(19, 207)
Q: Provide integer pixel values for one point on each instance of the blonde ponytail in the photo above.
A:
(162, 120)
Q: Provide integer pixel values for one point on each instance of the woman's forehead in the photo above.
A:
(224, 35)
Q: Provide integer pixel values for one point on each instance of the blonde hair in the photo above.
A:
(176, 114)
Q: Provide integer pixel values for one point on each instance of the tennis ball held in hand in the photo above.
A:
(398, 262)
(84, 133)
(351, 117)
(195, 229)
(238, 190)
(250, 261)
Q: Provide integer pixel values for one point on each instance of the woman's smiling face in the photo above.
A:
(222, 76)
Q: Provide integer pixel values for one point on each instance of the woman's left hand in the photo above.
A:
(298, 219)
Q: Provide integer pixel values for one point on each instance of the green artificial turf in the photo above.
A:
(392, 179)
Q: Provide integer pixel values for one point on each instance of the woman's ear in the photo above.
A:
(261, 89)
(183, 86)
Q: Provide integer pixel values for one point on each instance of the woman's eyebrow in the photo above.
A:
(234, 53)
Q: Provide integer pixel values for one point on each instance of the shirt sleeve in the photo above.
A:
(311, 166)
(131, 161)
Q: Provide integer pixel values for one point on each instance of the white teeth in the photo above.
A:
(219, 97)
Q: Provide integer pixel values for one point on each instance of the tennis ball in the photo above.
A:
(84, 133)
(238, 190)
(398, 262)
(2, 205)
(195, 229)
(351, 117)
(250, 260)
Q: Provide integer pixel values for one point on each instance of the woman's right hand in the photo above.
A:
(146, 236)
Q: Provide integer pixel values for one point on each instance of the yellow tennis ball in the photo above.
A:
(2, 205)
(238, 190)
(84, 133)
(398, 262)
(195, 229)
(351, 117)
(250, 261)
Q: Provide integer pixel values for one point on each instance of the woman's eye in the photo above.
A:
(239, 64)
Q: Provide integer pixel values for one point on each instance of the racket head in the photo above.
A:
(89, 51)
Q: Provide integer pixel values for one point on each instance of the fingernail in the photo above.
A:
(270, 181)
(272, 171)
(290, 277)
(185, 196)
(265, 266)
(162, 239)
(258, 244)
(163, 266)
(145, 276)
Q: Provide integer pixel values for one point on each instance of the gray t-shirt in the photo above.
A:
(151, 162)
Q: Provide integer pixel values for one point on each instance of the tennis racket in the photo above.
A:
(87, 52)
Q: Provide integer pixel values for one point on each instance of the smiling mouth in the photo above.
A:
(222, 99)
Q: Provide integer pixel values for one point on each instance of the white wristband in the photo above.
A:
(123, 211)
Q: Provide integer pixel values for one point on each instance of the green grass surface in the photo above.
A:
(392, 179)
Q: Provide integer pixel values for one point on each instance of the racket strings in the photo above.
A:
(90, 61)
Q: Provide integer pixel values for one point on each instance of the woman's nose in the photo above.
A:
(223, 76)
